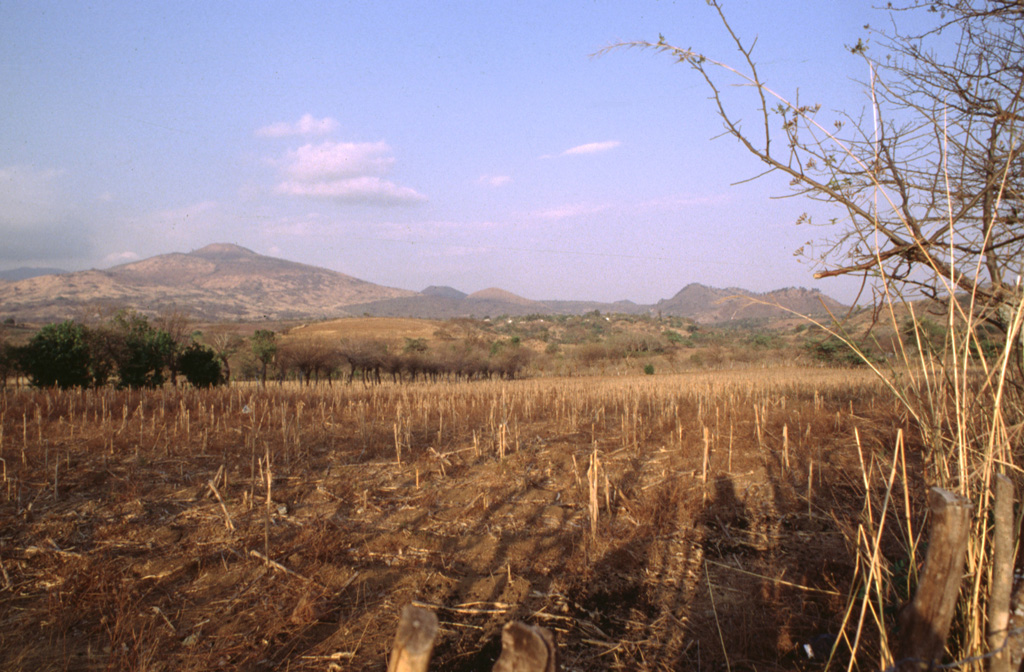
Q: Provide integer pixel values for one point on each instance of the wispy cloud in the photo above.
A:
(347, 172)
(307, 125)
(335, 160)
(589, 148)
(493, 180)
(592, 148)
(370, 190)
(573, 210)
(120, 258)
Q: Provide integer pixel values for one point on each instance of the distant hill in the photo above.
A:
(711, 305)
(24, 273)
(224, 282)
(443, 292)
(217, 282)
(493, 294)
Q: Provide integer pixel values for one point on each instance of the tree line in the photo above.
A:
(373, 360)
(126, 351)
(130, 351)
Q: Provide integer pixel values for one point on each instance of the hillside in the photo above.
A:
(224, 282)
(709, 305)
(217, 282)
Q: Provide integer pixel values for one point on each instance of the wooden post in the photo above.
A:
(527, 648)
(414, 640)
(1002, 576)
(595, 465)
(924, 623)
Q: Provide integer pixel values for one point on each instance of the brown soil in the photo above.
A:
(118, 553)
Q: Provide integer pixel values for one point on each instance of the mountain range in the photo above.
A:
(227, 282)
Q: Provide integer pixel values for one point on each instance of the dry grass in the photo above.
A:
(284, 527)
(389, 329)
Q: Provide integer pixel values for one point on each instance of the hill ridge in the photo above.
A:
(225, 281)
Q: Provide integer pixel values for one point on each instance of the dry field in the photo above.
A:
(654, 523)
(390, 329)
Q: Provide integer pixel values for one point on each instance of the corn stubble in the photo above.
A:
(650, 522)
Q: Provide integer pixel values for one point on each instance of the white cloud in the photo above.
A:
(572, 210)
(120, 258)
(348, 172)
(368, 189)
(307, 125)
(332, 160)
(494, 180)
(592, 148)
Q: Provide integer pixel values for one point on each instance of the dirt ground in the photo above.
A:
(139, 539)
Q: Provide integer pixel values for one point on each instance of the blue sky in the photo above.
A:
(470, 144)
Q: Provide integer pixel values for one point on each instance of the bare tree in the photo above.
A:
(927, 185)
(225, 344)
(369, 357)
(929, 182)
(310, 357)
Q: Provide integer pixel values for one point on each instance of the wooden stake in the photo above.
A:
(707, 455)
(592, 480)
(785, 445)
(1002, 576)
(527, 648)
(924, 623)
(414, 640)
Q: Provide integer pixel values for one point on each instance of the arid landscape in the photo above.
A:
(481, 331)
(228, 282)
(691, 521)
(674, 486)
(705, 483)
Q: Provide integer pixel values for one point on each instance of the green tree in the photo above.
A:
(58, 355)
(140, 352)
(8, 357)
(177, 323)
(201, 366)
(264, 349)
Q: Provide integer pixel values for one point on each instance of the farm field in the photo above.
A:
(685, 521)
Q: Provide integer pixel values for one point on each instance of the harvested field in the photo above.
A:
(285, 527)
(390, 329)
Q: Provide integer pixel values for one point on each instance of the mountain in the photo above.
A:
(445, 292)
(711, 305)
(217, 282)
(444, 302)
(226, 282)
(493, 294)
(24, 273)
